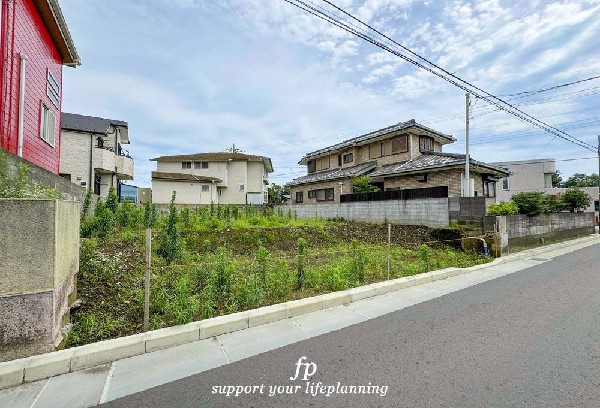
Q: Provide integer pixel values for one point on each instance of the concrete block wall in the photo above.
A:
(523, 230)
(432, 212)
(39, 257)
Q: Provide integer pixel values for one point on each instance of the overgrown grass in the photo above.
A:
(204, 281)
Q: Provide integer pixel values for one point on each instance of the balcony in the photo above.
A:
(124, 165)
(103, 160)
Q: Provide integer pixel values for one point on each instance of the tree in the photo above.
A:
(575, 199)
(277, 194)
(362, 184)
(581, 180)
(530, 203)
(557, 180)
(170, 244)
(112, 201)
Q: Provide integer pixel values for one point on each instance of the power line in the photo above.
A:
(429, 66)
(552, 87)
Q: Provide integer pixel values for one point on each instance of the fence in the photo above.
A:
(406, 194)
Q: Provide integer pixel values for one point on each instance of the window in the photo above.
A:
(325, 163)
(339, 160)
(53, 90)
(299, 196)
(548, 180)
(324, 194)
(400, 144)
(425, 144)
(242, 187)
(201, 165)
(186, 165)
(65, 176)
(348, 158)
(421, 178)
(47, 122)
(312, 193)
(489, 189)
(505, 184)
(205, 188)
(382, 150)
(312, 166)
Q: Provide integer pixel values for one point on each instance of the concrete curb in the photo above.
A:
(16, 372)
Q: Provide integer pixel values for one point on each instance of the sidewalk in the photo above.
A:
(130, 375)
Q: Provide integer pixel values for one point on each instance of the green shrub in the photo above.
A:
(503, 208)
(170, 244)
(359, 261)
(575, 199)
(530, 203)
(112, 201)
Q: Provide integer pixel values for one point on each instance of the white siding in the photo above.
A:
(186, 192)
(236, 176)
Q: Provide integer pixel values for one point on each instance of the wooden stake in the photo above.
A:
(147, 279)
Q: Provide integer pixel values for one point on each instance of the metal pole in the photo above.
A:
(467, 186)
(147, 278)
(389, 249)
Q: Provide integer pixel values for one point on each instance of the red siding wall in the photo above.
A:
(24, 32)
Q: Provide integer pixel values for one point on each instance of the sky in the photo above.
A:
(193, 76)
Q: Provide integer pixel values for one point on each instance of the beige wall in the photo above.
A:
(451, 178)
(372, 152)
(345, 189)
(75, 160)
(528, 175)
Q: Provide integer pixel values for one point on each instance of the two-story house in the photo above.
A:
(34, 45)
(205, 178)
(92, 153)
(404, 156)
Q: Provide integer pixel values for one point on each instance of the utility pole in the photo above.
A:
(598, 184)
(467, 180)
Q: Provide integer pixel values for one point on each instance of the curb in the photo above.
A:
(16, 372)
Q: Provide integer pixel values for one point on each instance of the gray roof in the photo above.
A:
(435, 160)
(334, 174)
(156, 175)
(442, 138)
(88, 124)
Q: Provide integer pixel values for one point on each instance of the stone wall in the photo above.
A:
(39, 257)
(432, 212)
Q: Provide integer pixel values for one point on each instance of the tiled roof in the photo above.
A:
(433, 160)
(90, 124)
(335, 173)
(375, 134)
(158, 175)
(218, 156)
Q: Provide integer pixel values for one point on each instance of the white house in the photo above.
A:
(205, 178)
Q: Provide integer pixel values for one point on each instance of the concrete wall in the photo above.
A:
(431, 212)
(523, 230)
(39, 257)
(37, 174)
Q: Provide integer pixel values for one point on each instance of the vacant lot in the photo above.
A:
(223, 260)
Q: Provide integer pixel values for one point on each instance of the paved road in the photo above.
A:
(529, 339)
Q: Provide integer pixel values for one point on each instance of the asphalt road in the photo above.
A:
(529, 339)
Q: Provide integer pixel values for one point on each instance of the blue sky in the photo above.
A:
(196, 76)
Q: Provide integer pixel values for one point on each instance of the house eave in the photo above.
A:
(56, 25)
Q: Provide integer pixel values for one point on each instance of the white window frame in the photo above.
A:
(242, 187)
(205, 188)
(507, 180)
(186, 165)
(47, 129)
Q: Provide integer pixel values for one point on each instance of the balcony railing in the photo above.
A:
(408, 194)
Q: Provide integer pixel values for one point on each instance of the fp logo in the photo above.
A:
(309, 369)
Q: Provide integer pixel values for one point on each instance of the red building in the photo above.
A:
(34, 45)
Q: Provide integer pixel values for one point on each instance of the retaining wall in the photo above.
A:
(432, 212)
(39, 257)
(523, 230)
